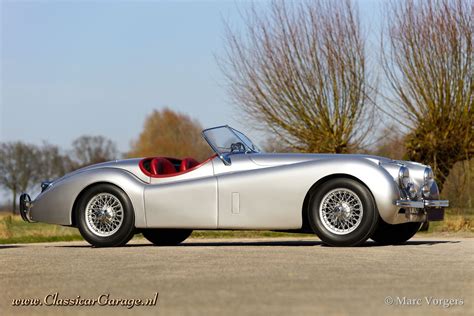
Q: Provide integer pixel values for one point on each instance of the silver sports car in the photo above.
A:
(343, 199)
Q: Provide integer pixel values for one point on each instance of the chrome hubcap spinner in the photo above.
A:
(104, 214)
(341, 211)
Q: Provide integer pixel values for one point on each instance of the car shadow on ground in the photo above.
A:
(8, 246)
(216, 244)
(305, 243)
(371, 243)
(286, 243)
(292, 243)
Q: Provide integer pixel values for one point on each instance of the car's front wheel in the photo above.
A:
(387, 234)
(166, 237)
(343, 212)
(105, 216)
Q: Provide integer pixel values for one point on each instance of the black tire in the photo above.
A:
(361, 232)
(125, 230)
(166, 237)
(387, 234)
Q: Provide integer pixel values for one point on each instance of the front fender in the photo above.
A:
(381, 184)
(55, 205)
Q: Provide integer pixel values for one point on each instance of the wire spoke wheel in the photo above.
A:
(104, 214)
(341, 211)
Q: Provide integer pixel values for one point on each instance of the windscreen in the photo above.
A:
(225, 140)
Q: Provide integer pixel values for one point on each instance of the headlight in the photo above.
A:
(426, 191)
(404, 177)
(427, 179)
(428, 174)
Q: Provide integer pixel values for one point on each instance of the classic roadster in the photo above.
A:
(343, 199)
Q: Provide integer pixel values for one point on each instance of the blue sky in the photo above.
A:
(70, 68)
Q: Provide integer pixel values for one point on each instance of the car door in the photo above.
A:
(255, 197)
(186, 200)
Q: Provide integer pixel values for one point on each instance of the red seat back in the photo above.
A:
(161, 165)
(188, 163)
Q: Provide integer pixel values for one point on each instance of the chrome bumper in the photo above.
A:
(25, 207)
(422, 204)
(424, 210)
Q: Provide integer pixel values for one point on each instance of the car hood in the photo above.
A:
(390, 165)
(277, 159)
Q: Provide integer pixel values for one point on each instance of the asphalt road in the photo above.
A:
(235, 276)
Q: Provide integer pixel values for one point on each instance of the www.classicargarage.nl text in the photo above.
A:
(55, 299)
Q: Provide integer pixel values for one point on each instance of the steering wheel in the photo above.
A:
(237, 147)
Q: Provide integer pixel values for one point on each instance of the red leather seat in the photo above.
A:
(188, 163)
(161, 166)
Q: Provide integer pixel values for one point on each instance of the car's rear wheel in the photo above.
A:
(342, 212)
(388, 234)
(166, 237)
(105, 216)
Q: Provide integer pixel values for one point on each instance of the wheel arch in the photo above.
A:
(78, 198)
(306, 202)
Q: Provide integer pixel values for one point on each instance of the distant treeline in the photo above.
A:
(23, 166)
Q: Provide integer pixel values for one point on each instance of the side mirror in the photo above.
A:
(225, 160)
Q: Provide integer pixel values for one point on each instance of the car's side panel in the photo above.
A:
(184, 204)
(272, 197)
(260, 199)
(56, 203)
(185, 201)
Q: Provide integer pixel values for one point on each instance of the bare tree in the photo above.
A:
(459, 186)
(169, 133)
(300, 71)
(392, 144)
(18, 166)
(52, 163)
(23, 166)
(274, 144)
(428, 60)
(88, 150)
